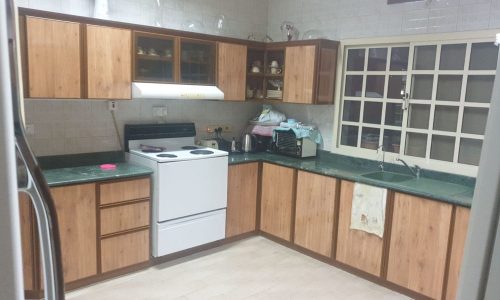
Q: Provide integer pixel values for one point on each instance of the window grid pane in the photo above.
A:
(447, 102)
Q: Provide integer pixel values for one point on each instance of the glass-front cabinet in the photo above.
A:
(425, 100)
(168, 59)
(155, 57)
(197, 62)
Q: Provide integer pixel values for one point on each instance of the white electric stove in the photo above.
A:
(189, 185)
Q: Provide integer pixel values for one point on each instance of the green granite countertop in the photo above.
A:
(82, 168)
(440, 186)
(83, 174)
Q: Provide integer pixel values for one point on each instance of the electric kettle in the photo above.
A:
(248, 143)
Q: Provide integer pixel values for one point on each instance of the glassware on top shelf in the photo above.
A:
(289, 31)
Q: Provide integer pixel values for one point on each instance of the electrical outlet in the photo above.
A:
(30, 129)
(211, 128)
(227, 128)
(164, 111)
(158, 111)
(112, 105)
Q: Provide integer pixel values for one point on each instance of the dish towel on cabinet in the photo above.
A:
(368, 209)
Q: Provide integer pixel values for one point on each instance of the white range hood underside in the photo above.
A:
(175, 91)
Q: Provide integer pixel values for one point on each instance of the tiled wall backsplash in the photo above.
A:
(80, 126)
(341, 19)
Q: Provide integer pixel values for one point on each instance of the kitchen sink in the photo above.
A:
(388, 176)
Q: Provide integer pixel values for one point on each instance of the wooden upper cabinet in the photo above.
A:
(53, 52)
(315, 212)
(278, 185)
(242, 199)
(419, 244)
(231, 70)
(109, 62)
(326, 75)
(300, 67)
(457, 251)
(356, 248)
(76, 215)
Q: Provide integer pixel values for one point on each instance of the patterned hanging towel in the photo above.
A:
(368, 209)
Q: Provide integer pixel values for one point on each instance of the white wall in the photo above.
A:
(341, 19)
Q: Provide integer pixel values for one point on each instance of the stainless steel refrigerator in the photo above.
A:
(20, 173)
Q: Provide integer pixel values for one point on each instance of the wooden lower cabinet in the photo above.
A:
(76, 215)
(315, 212)
(356, 248)
(419, 244)
(278, 186)
(457, 251)
(242, 199)
(124, 250)
(28, 242)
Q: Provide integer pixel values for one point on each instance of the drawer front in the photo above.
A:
(124, 191)
(124, 217)
(124, 250)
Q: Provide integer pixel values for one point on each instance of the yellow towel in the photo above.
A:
(368, 209)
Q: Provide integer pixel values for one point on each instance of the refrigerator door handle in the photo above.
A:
(48, 231)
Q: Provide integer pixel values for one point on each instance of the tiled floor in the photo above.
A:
(254, 268)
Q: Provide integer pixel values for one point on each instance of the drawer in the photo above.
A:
(124, 250)
(124, 191)
(124, 217)
(189, 232)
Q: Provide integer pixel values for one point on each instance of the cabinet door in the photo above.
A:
(197, 62)
(277, 200)
(242, 199)
(314, 212)
(231, 70)
(54, 58)
(327, 70)
(457, 251)
(109, 62)
(300, 67)
(356, 248)
(76, 214)
(419, 244)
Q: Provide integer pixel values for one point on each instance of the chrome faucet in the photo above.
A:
(415, 170)
(381, 163)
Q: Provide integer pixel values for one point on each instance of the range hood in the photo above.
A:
(175, 91)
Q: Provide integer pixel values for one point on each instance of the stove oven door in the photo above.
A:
(191, 187)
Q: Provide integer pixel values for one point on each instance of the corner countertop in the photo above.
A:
(453, 189)
(92, 173)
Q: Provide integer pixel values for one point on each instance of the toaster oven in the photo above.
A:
(286, 142)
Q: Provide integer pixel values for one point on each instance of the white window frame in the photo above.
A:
(411, 41)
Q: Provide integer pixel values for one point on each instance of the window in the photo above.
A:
(423, 101)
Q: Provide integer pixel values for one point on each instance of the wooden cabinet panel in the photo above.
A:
(300, 67)
(76, 214)
(109, 62)
(326, 75)
(242, 199)
(124, 217)
(231, 70)
(419, 244)
(356, 248)
(124, 250)
(315, 212)
(457, 251)
(277, 200)
(54, 58)
(114, 192)
(27, 241)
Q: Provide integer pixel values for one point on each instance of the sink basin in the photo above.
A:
(388, 176)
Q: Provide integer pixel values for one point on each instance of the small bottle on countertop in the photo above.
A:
(233, 145)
